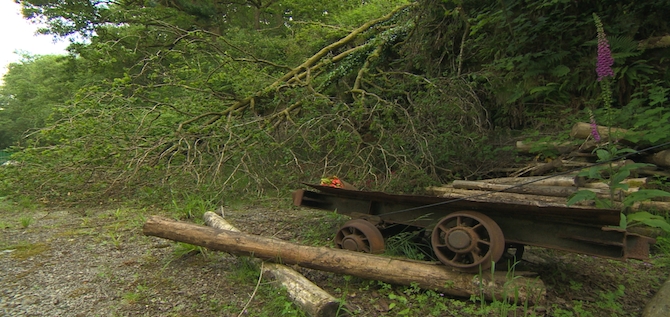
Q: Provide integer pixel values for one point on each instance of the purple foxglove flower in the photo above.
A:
(594, 130)
(605, 60)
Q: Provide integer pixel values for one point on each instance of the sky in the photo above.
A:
(17, 33)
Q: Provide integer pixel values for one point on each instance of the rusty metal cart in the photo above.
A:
(471, 234)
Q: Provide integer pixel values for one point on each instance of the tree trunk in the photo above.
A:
(309, 297)
(396, 271)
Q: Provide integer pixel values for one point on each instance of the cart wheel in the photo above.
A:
(360, 235)
(467, 239)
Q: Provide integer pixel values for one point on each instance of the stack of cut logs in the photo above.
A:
(574, 156)
(543, 189)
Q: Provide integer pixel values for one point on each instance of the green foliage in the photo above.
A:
(4, 157)
(192, 206)
(24, 249)
(184, 249)
(610, 301)
(663, 246)
(409, 245)
(643, 217)
(207, 97)
(610, 152)
(539, 55)
(32, 89)
(26, 221)
(615, 183)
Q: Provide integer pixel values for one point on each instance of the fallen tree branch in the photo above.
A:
(298, 71)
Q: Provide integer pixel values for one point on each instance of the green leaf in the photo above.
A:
(584, 172)
(649, 220)
(581, 196)
(644, 194)
(603, 155)
(594, 172)
(603, 203)
(619, 177)
(626, 150)
(639, 216)
(657, 223)
(616, 186)
(634, 166)
(622, 221)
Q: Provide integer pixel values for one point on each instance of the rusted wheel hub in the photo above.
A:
(468, 239)
(361, 236)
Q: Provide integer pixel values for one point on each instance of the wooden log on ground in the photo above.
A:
(654, 42)
(391, 270)
(519, 171)
(309, 297)
(546, 168)
(531, 189)
(562, 180)
(661, 158)
(502, 197)
(533, 200)
(582, 130)
(561, 148)
(558, 147)
(652, 206)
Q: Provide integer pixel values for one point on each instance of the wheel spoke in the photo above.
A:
(476, 257)
(360, 235)
(486, 242)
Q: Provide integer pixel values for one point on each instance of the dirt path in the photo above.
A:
(97, 263)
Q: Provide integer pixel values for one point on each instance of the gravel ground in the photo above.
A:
(70, 264)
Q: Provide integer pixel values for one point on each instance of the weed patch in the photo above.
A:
(24, 250)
